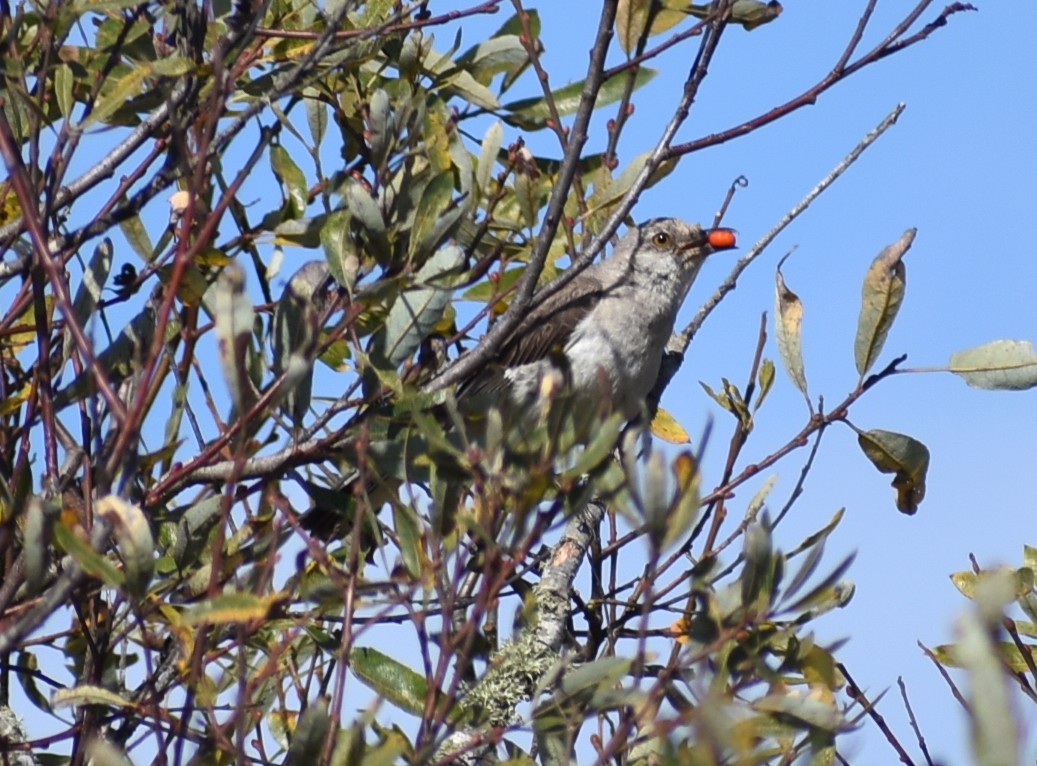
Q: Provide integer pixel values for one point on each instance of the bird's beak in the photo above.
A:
(722, 239)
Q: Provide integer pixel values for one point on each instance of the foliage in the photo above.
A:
(169, 416)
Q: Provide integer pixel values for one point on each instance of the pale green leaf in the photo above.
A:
(1001, 365)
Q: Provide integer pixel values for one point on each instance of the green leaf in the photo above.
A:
(788, 331)
(64, 80)
(1001, 365)
(390, 679)
(766, 382)
(417, 310)
(172, 66)
(898, 454)
(463, 85)
(340, 250)
(408, 531)
(503, 53)
(968, 582)
(594, 679)
(828, 593)
(519, 26)
(316, 115)
(73, 542)
(293, 182)
(609, 193)
(432, 211)
(491, 145)
(308, 737)
(533, 113)
(380, 126)
(125, 88)
(686, 507)
(881, 296)
(597, 450)
(133, 229)
(819, 536)
(809, 565)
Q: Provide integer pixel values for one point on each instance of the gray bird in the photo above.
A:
(611, 323)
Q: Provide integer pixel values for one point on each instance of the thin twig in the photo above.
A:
(857, 694)
(914, 723)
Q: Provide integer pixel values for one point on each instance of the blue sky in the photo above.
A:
(959, 165)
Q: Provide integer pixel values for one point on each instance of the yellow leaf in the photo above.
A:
(668, 429)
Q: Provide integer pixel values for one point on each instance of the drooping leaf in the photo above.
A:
(903, 456)
(881, 296)
(631, 20)
(408, 532)
(1001, 365)
(788, 331)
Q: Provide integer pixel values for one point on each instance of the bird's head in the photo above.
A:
(671, 250)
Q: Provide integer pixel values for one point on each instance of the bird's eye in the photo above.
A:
(661, 239)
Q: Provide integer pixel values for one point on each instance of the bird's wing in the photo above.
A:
(546, 328)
